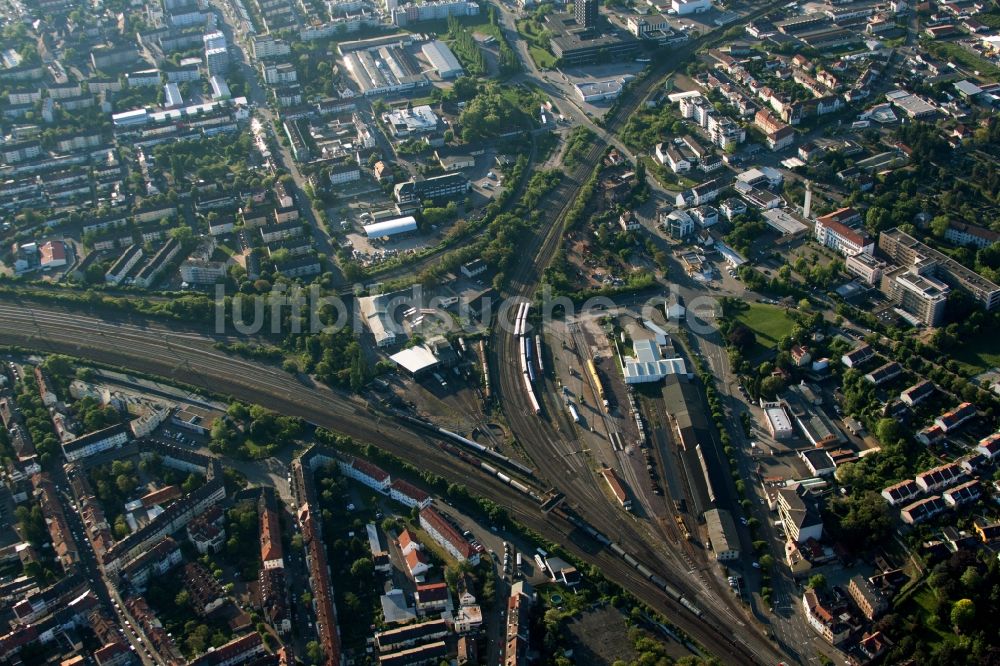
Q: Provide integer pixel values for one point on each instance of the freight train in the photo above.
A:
(643, 570)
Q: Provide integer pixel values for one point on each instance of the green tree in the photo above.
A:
(962, 614)
(314, 653)
(817, 582)
(362, 568)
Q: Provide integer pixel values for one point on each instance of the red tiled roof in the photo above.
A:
(447, 532)
(270, 536)
(368, 469)
(842, 230)
(409, 490)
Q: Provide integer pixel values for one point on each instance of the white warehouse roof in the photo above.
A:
(442, 59)
(400, 225)
(415, 359)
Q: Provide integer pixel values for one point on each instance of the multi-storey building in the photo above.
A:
(832, 230)
(908, 251)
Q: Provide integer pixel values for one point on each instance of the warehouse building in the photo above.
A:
(722, 535)
(442, 59)
(391, 228)
(597, 91)
(381, 69)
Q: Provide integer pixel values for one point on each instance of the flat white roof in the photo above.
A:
(415, 359)
(779, 419)
(417, 119)
(676, 97)
(598, 87)
(400, 225)
(783, 222)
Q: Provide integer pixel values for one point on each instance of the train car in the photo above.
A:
(574, 413)
(538, 354)
(520, 487)
(691, 607)
(598, 386)
(535, 407)
(644, 570)
(615, 548)
(489, 468)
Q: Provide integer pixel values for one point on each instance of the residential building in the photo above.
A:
(940, 477)
(447, 535)
(432, 597)
(858, 356)
(869, 598)
(955, 418)
(917, 393)
(468, 618)
(921, 510)
(155, 562)
(200, 271)
(668, 155)
(95, 442)
(700, 194)
(799, 514)
(242, 650)
(884, 373)
(824, 618)
(393, 640)
(207, 532)
(961, 233)
(962, 494)
(990, 446)
(901, 493)
(409, 495)
(366, 473)
(271, 555)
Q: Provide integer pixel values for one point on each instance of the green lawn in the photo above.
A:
(924, 599)
(543, 59)
(979, 354)
(768, 322)
(534, 34)
(964, 57)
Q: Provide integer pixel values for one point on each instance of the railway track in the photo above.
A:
(154, 349)
(546, 443)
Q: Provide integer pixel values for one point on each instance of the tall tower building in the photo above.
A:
(586, 13)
